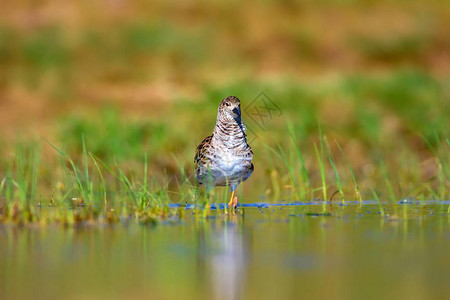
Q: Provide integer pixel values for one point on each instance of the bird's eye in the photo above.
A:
(227, 103)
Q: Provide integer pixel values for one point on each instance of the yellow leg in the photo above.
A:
(231, 200)
(235, 202)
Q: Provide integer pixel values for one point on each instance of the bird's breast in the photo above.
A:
(230, 163)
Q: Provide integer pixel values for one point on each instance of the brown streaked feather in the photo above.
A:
(225, 156)
(204, 145)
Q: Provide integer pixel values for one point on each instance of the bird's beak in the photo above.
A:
(237, 111)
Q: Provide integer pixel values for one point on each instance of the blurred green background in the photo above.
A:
(139, 77)
(361, 92)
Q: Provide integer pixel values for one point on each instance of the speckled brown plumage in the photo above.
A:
(224, 158)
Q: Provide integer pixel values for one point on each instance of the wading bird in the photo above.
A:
(224, 158)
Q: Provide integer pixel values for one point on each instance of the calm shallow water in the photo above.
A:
(270, 252)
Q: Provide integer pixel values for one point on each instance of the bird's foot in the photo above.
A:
(233, 203)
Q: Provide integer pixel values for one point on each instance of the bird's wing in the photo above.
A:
(202, 148)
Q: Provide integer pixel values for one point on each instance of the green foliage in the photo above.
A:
(415, 98)
(113, 166)
(392, 49)
(109, 137)
(46, 49)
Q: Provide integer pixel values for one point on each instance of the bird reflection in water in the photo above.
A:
(224, 248)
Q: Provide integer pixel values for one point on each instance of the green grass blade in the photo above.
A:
(102, 180)
(333, 166)
(375, 195)
(322, 171)
(355, 182)
(305, 176)
(74, 168)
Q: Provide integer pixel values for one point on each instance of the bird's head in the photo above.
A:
(230, 108)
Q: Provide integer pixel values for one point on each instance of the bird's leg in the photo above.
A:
(231, 200)
(235, 202)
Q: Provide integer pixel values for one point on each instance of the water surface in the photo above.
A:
(269, 252)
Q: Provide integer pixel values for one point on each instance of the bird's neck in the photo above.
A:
(229, 133)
